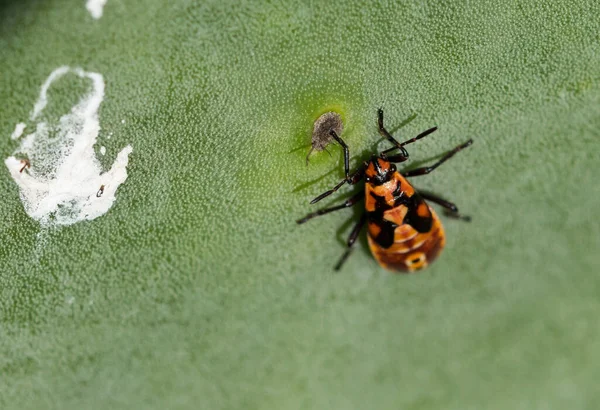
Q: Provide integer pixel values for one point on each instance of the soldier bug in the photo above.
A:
(404, 232)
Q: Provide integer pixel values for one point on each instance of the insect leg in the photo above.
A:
(310, 152)
(427, 170)
(308, 155)
(451, 209)
(351, 179)
(349, 202)
(351, 240)
(346, 152)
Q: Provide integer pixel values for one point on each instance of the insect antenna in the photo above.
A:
(410, 141)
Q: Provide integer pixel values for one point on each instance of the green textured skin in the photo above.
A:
(198, 290)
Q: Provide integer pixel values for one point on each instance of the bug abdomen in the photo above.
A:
(410, 250)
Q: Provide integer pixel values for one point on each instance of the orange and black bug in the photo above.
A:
(404, 232)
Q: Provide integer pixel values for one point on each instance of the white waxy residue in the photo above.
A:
(95, 7)
(63, 180)
(18, 131)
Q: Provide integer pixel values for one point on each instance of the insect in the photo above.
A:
(26, 164)
(100, 191)
(321, 136)
(404, 232)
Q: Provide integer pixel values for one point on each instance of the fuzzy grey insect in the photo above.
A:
(321, 136)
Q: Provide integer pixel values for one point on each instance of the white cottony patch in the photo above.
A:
(62, 181)
(95, 7)
(18, 131)
(103, 150)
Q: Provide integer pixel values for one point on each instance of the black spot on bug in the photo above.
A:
(321, 136)
(385, 239)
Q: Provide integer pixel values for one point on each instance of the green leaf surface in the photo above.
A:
(198, 290)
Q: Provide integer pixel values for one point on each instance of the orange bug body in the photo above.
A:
(404, 232)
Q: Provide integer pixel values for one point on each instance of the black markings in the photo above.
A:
(385, 238)
(419, 223)
(380, 203)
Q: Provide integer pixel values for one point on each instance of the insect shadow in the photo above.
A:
(314, 181)
(341, 233)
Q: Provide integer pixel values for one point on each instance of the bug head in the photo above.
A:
(379, 171)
